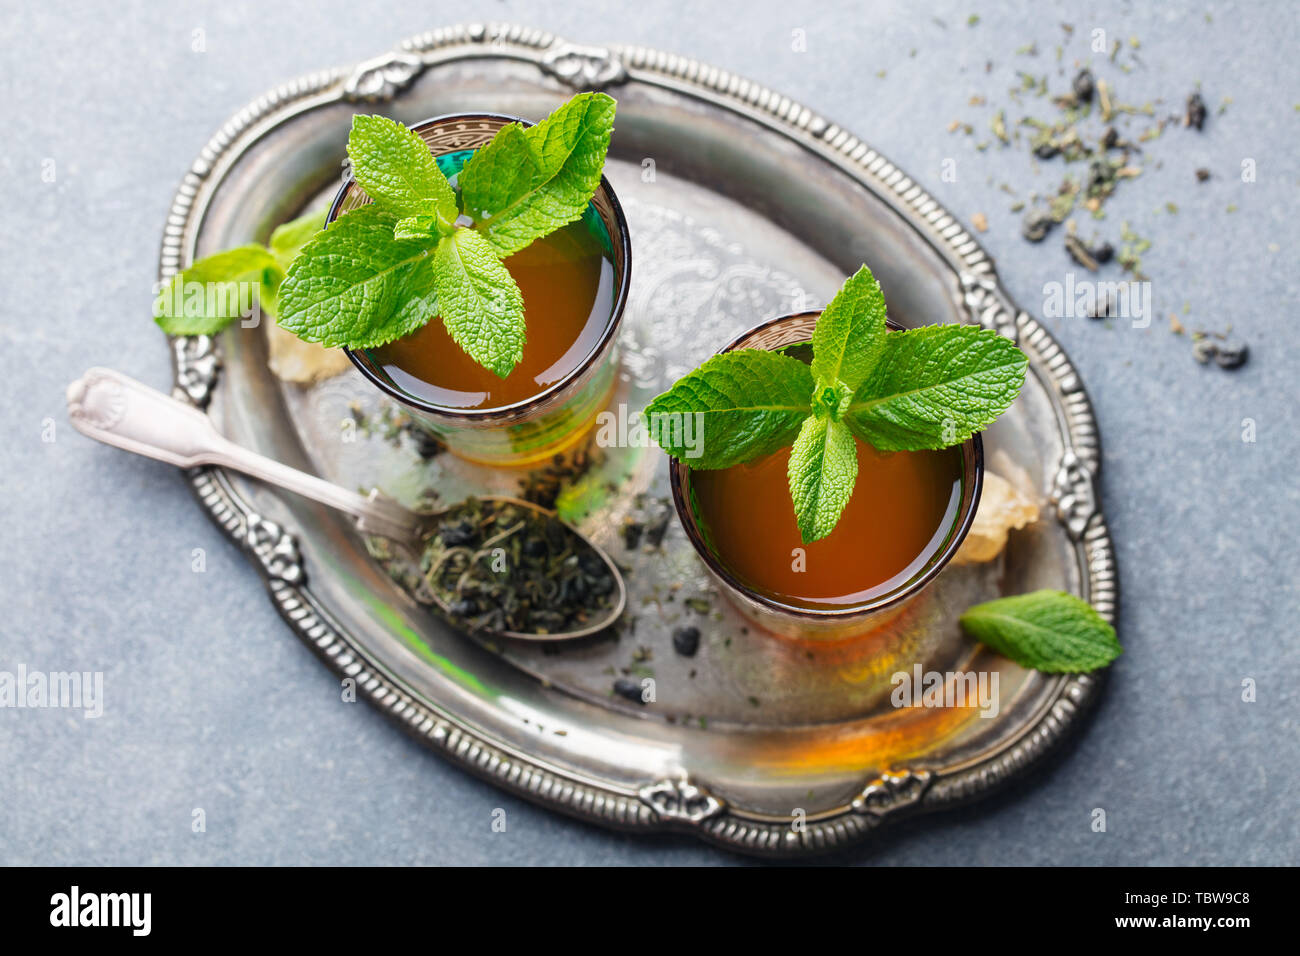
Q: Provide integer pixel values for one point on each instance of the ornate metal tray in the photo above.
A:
(742, 205)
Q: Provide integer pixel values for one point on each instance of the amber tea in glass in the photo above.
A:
(901, 513)
(574, 286)
(907, 516)
(567, 282)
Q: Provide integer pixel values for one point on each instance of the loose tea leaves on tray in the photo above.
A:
(497, 566)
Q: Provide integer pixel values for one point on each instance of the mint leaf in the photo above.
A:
(498, 172)
(268, 295)
(935, 386)
(849, 332)
(481, 306)
(751, 403)
(288, 238)
(286, 242)
(823, 469)
(396, 169)
(211, 293)
(1051, 631)
(355, 285)
(533, 181)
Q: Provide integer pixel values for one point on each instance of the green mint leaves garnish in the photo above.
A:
(216, 290)
(382, 271)
(395, 168)
(750, 403)
(356, 285)
(287, 239)
(1052, 631)
(480, 303)
(529, 182)
(849, 332)
(936, 386)
(425, 248)
(911, 390)
(823, 469)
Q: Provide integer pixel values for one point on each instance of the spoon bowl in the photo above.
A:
(618, 599)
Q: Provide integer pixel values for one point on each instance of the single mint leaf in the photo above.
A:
(936, 386)
(565, 156)
(286, 242)
(213, 292)
(269, 292)
(354, 285)
(823, 469)
(480, 304)
(849, 332)
(498, 172)
(749, 403)
(395, 168)
(288, 238)
(1051, 631)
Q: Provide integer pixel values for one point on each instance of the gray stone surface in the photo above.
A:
(210, 702)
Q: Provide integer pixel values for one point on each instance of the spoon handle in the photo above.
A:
(117, 410)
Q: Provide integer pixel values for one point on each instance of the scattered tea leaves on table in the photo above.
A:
(699, 605)
(1037, 224)
(544, 486)
(1224, 351)
(686, 640)
(1094, 125)
(1081, 253)
(630, 689)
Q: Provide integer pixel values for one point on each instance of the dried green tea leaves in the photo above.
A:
(497, 566)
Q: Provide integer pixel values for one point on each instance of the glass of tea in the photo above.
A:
(574, 284)
(908, 515)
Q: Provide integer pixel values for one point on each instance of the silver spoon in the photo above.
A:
(117, 410)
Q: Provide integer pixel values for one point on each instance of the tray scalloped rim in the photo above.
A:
(678, 803)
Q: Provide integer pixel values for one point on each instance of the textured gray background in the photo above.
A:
(212, 703)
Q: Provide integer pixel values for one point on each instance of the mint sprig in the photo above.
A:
(425, 248)
(211, 293)
(1052, 631)
(910, 390)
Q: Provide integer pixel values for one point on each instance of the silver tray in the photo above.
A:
(742, 205)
